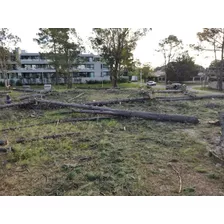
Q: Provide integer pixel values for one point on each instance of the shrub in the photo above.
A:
(2, 84)
(123, 79)
(12, 82)
(19, 83)
(97, 81)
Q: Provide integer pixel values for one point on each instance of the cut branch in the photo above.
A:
(101, 103)
(179, 176)
(22, 140)
(31, 96)
(221, 96)
(167, 91)
(16, 104)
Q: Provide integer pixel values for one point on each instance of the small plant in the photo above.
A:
(71, 175)
(213, 176)
(189, 190)
(93, 176)
(200, 169)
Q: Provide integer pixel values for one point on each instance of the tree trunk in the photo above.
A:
(190, 98)
(145, 115)
(101, 103)
(127, 113)
(165, 76)
(114, 79)
(56, 77)
(16, 104)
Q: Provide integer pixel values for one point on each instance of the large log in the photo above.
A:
(31, 96)
(106, 102)
(32, 90)
(127, 113)
(72, 120)
(22, 140)
(145, 115)
(16, 104)
(218, 96)
(167, 91)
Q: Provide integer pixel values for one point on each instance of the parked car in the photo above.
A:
(150, 83)
(175, 86)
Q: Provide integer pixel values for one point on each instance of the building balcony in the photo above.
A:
(36, 70)
(34, 61)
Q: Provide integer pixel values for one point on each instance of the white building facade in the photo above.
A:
(35, 70)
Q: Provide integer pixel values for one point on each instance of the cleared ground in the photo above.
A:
(112, 157)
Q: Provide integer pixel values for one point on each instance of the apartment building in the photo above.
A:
(34, 69)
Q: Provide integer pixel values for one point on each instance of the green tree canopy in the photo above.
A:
(169, 47)
(8, 41)
(115, 45)
(182, 69)
(62, 47)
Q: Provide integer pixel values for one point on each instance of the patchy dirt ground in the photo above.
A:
(111, 157)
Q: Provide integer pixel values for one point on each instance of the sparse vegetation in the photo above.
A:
(111, 157)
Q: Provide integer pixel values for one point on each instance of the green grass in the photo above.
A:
(107, 159)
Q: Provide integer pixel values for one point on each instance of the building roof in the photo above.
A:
(159, 73)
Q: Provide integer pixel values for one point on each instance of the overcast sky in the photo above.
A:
(146, 47)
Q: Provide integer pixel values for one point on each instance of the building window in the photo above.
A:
(89, 66)
(83, 74)
(104, 66)
(105, 74)
(97, 59)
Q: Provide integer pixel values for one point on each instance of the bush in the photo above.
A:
(19, 83)
(97, 81)
(12, 82)
(2, 84)
(123, 80)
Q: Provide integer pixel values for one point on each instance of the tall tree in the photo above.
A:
(169, 47)
(70, 48)
(8, 54)
(146, 71)
(183, 68)
(62, 47)
(47, 39)
(115, 45)
(214, 37)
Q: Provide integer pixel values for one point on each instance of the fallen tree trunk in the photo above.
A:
(126, 113)
(167, 91)
(22, 140)
(220, 96)
(145, 115)
(31, 96)
(32, 90)
(16, 104)
(101, 103)
(6, 149)
(58, 122)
